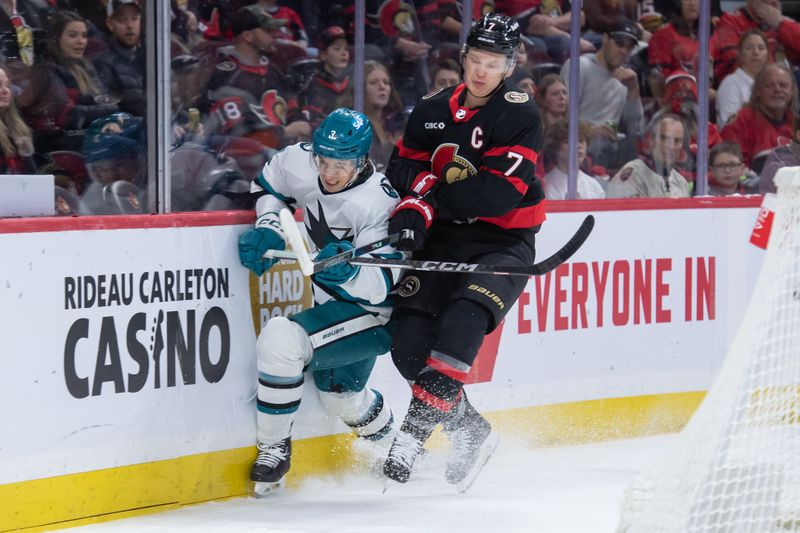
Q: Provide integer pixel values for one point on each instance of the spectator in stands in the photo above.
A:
(546, 25)
(556, 152)
(735, 90)
(681, 98)
(406, 41)
(65, 94)
(292, 29)
(675, 46)
(114, 162)
(185, 27)
(522, 79)
(551, 97)
(249, 96)
(187, 98)
(727, 169)
(448, 18)
(383, 107)
(609, 95)
(783, 156)
(766, 122)
(22, 25)
(671, 8)
(653, 174)
(203, 179)
(122, 66)
(16, 144)
(783, 34)
(330, 88)
(446, 74)
(602, 15)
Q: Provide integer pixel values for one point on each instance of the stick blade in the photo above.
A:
(296, 242)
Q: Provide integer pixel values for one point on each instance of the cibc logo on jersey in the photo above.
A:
(447, 164)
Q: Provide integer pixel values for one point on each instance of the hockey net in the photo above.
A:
(735, 467)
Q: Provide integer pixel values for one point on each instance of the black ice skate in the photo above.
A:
(270, 466)
(473, 444)
(404, 451)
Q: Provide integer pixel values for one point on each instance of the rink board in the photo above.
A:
(130, 349)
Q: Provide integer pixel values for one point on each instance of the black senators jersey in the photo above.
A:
(484, 157)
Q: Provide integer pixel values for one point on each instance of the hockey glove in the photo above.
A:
(253, 243)
(339, 273)
(413, 214)
(424, 183)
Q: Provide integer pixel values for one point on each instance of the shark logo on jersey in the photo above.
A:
(321, 233)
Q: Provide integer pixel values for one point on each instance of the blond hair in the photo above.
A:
(13, 129)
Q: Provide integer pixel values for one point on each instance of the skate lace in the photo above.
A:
(405, 449)
(271, 455)
(461, 440)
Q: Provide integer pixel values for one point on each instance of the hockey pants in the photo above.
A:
(338, 342)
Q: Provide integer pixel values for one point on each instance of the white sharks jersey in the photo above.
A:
(359, 214)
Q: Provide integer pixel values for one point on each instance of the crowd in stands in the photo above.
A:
(252, 76)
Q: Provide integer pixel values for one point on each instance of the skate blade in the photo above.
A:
(487, 449)
(263, 489)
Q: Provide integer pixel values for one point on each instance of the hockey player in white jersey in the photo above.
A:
(346, 204)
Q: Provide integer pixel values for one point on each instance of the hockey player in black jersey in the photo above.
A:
(466, 166)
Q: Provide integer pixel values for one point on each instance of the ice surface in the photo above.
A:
(575, 489)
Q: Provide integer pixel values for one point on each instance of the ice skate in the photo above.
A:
(264, 489)
(473, 443)
(404, 451)
(271, 466)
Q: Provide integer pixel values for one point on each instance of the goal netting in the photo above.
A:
(735, 467)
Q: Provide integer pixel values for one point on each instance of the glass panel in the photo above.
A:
(755, 71)
(239, 93)
(637, 103)
(72, 85)
(542, 71)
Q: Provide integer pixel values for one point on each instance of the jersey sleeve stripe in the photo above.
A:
(262, 181)
(521, 217)
(515, 181)
(410, 153)
(528, 153)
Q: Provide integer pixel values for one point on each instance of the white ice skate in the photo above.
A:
(473, 443)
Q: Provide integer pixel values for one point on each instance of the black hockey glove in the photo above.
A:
(413, 214)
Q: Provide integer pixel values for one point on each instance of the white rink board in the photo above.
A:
(49, 432)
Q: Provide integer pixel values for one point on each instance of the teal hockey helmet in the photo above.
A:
(344, 134)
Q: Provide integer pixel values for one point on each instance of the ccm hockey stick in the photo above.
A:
(307, 266)
(299, 251)
(537, 269)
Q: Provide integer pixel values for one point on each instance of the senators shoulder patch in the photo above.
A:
(432, 94)
(516, 97)
(226, 66)
(625, 173)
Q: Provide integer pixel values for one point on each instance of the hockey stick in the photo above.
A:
(299, 252)
(537, 269)
(353, 256)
